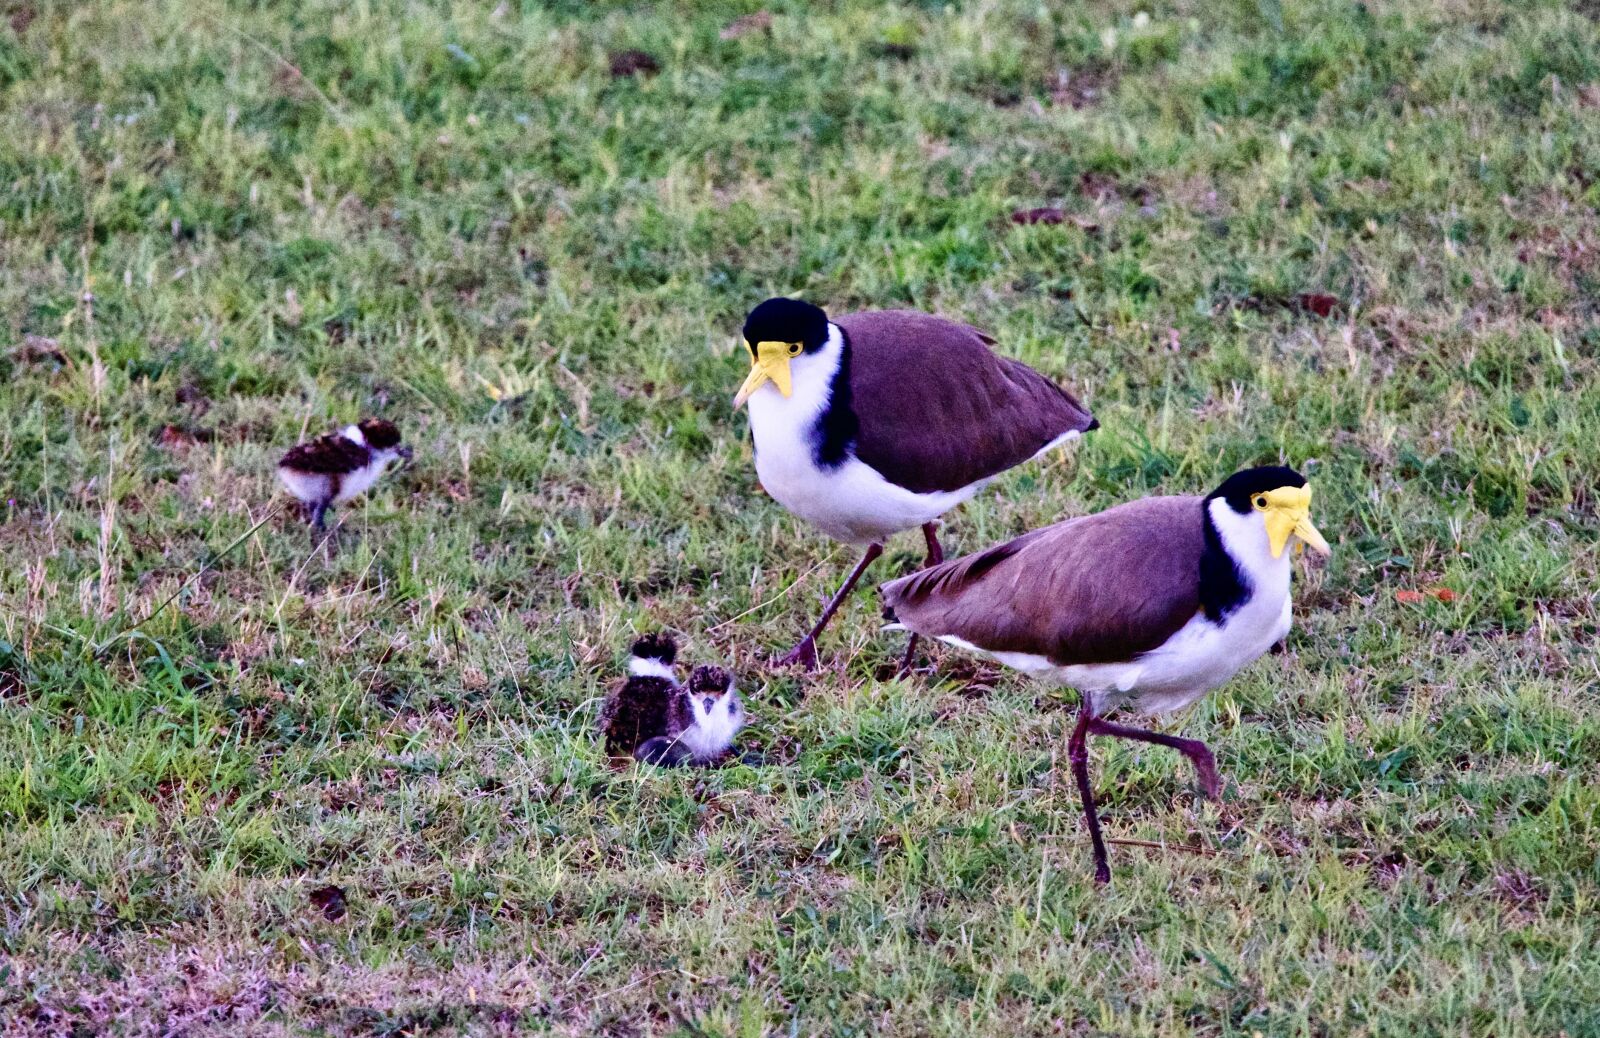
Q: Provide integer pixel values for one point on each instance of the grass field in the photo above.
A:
(364, 798)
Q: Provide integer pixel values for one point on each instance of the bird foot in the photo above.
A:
(804, 654)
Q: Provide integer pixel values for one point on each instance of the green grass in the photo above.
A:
(292, 215)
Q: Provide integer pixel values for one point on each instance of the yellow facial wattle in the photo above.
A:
(771, 365)
(1287, 513)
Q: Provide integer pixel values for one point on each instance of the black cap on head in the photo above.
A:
(786, 320)
(379, 433)
(1240, 487)
(708, 680)
(657, 646)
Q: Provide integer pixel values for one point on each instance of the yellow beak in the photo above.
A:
(772, 365)
(1289, 515)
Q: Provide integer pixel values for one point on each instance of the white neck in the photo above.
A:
(646, 667)
(715, 728)
(811, 385)
(1244, 537)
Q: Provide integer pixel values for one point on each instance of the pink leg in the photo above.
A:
(1078, 755)
(1197, 752)
(805, 652)
(935, 556)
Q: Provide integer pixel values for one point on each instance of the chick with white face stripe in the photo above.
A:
(882, 421)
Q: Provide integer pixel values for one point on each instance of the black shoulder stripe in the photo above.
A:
(1223, 588)
(837, 427)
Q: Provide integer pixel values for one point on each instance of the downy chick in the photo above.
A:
(332, 469)
(638, 709)
(701, 723)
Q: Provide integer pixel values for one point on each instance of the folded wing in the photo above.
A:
(1097, 589)
(938, 410)
(328, 455)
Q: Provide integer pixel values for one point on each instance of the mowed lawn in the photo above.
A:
(247, 790)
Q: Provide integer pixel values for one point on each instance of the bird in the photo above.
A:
(1150, 605)
(654, 718)
(637, 709)
(332, 469)
(701, 724)
(882, 421)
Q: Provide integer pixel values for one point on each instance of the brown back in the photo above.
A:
(1096, 589)
(938, 409)
(638, 709)
(331, 454)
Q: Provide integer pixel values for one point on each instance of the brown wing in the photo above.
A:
(1098, 589)
(938, 410)
(679, 714)
(327, 454)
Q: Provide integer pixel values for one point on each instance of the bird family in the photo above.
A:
(875, 423)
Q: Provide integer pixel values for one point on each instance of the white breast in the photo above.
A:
(712, 733)
(1200, 657)
(360, 480)
(850, 502)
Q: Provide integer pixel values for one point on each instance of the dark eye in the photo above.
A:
(794, 349)
(733, 708)
(1261, 502)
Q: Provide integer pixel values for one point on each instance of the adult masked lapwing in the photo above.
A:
(1150, 604)
(882, 421)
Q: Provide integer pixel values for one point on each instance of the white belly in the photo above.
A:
(360, 481)
(1200, 657)
(849, 503)
(710, 738)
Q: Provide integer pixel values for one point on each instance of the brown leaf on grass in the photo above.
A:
(1518, 888)
(21, 17)
(330, 901)
(11, 687)
(1044, 214)
(744, 25)
(38, 348)
(1319, 303)
(189, 393)
(633, 63)
(1079, 88)
(1099, 186)
(1438, 594)
(173, 436)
